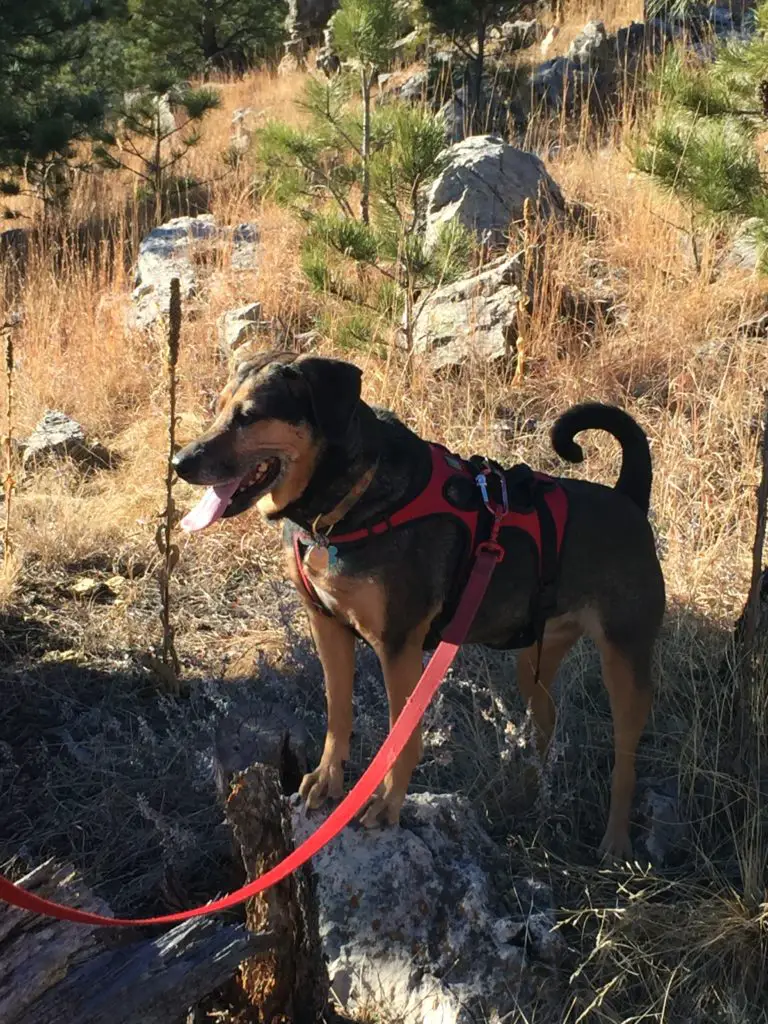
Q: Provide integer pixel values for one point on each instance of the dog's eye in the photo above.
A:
(241, 418)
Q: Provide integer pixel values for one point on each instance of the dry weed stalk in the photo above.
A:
(168, 668)
(523, 316)
(9, 481)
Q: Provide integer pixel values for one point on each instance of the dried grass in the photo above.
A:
(685, 944)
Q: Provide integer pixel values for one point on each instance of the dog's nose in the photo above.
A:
(187, 463)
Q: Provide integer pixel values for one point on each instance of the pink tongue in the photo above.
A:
(211, 507)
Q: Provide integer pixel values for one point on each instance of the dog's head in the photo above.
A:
(275, 416)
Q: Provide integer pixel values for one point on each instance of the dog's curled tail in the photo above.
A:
(636, 471)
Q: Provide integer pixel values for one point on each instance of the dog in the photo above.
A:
(293, 438)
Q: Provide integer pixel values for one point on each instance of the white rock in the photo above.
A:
(56, 437)
(168, 251)
(237, 326)
(473, 318)
(411, 925)
(548, 41)
(484, 186)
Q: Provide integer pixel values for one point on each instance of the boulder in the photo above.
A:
(238, 326)
(413, 927)
(57, 437)
(170, 251)
(519, 35)
(474, 318)
(415, 89)
(591, 45)
(484, 185)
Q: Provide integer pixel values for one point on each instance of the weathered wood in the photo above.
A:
(290, 983)
(54, 971)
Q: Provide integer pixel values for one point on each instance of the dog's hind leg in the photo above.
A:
(559, 638)
(628, 682)
(335, 645)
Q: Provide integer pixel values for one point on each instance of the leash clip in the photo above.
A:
(498, 512)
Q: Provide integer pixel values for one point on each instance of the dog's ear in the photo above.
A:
(334, 389)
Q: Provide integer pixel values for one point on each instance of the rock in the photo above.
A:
(484, 185)
(474, 318)
(664, 831)
(549, 40)
(415, 89)
(459, 111)
(748, 248)
(169, 251)
(591, 44)
(327, 60)
(306, 19)
(412, 926)
(555, 83)
(56, 437)
(519, 35)
(237, 326)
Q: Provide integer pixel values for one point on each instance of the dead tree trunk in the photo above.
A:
(290, 983)
(53, 971)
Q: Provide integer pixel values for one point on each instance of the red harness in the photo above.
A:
(542, 518)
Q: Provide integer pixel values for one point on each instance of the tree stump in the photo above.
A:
(290, 983)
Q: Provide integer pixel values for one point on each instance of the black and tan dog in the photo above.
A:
(293, 438)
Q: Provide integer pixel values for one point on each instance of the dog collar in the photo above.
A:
(326, 521)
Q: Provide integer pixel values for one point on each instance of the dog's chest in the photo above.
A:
(358, 602)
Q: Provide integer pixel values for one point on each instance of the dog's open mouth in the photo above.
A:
(233, 497)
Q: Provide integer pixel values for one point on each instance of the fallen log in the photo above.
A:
(54, 971)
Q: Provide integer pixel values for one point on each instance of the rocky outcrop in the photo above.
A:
(484, 186)
(183, 248)
(474, 318)
(412, 925)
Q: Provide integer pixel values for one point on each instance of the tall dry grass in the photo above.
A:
(648, 946)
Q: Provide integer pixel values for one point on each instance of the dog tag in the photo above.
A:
(332, 557)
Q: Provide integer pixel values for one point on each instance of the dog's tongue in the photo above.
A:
(211, 507)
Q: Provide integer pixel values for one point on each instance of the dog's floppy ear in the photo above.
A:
(334, 388)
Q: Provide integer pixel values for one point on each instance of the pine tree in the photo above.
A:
(702, 144)
(146, 138)
(46, 103)
(190, 37)
(315, 171)
(364, 33)
(467, 23)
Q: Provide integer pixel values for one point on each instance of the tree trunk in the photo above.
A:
(157, 170)
(53, 971)
(479, 97)
(209, 37)
(365, 200)
(291, 982)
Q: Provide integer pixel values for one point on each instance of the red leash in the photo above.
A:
(488, 555)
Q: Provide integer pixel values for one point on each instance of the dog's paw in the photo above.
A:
(385, 806)
(616, 847)
(325, 783)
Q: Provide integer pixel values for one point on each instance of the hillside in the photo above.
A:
(102, 768)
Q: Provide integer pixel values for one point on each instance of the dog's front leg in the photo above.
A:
(401, 674)
(335, 645)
